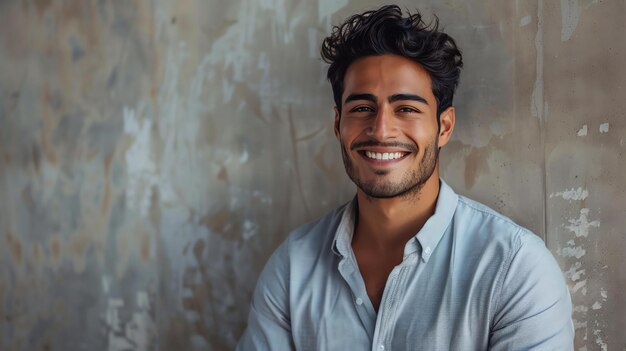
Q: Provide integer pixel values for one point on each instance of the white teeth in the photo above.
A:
(384, 155)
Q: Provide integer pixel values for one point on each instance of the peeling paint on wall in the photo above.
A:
(537, 103)
(580, 226)
(604, 128)
(572, 194)
(570, 14)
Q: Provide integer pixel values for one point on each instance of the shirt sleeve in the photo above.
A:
(534, 310)
(269, 325)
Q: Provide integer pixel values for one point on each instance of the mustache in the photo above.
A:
(366, 143)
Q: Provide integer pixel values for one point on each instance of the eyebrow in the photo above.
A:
(392, 98)
(355, 97)
(412, 97)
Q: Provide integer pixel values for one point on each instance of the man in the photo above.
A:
(408, 264)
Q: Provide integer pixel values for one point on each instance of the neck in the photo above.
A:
(388, 224)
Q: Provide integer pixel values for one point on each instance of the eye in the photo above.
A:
(362, 109)
(407, 109)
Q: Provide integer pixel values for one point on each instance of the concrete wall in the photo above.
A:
(153, 154)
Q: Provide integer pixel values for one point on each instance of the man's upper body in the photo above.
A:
(407, 264)
(470, 279)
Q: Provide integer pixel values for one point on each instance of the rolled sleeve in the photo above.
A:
(534, 310)
(269, 325)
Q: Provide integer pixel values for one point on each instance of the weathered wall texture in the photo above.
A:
(153, 154)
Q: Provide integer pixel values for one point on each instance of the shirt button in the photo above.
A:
(359, 301)
(427, 251)
(381, 347)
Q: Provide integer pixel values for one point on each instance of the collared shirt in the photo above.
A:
(471, 279)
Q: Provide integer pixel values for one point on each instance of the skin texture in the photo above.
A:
(389, 106)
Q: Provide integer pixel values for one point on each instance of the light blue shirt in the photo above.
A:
(471, 279)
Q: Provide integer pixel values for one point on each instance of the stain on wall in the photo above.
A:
(153, 155)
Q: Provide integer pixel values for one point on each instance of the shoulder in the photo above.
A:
(483, 225)
(483, 229)
(296, 255)
(523, 255)
(309, 240)
(477, 211)
(317, 235)
(528, 280)
(484, 237)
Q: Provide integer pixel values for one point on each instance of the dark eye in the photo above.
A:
(362, 109)
(406, 109)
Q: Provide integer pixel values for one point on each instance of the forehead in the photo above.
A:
(386, 75)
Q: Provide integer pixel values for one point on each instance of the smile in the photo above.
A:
(384, 155)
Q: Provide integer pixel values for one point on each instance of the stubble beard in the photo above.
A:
(411, 182)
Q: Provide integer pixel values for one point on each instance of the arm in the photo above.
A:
(269, 326)
(534, 310)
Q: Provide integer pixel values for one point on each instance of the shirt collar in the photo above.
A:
(425, 240)
(342, 244)
(431, 233)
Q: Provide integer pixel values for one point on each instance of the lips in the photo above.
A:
(384, 155)
(383, 158)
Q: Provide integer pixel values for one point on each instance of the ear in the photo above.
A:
(446, 122)
(337, 119)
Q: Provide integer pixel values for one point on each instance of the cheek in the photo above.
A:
(346, 132)
(421, 132)
(351, 127)
(422, 138)
(343, 136)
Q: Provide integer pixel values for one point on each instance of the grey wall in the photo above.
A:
(153, 154)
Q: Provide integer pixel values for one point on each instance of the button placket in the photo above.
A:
(388, 305)
(351, 277)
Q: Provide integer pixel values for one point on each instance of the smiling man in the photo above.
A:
(407, 264)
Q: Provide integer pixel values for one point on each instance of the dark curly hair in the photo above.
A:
(386, 31)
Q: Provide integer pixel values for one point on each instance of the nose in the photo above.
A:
(384, 125)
